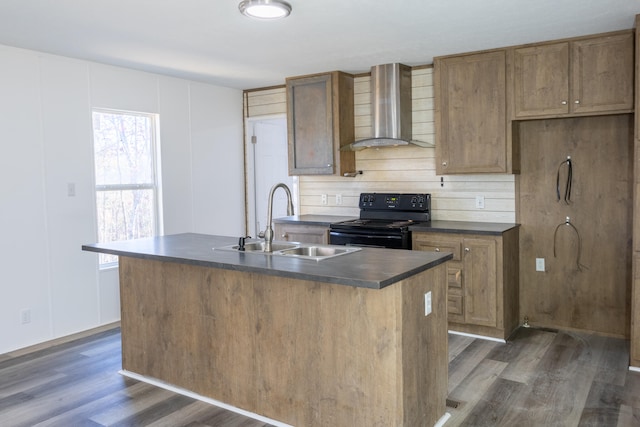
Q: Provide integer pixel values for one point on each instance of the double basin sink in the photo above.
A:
(295, 250)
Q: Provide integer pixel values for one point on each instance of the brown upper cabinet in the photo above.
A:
(470, 114)
(320, 122)
(584, 76)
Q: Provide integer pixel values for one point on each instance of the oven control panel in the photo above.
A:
(396, 201)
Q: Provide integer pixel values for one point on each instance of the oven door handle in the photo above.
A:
(396, 241)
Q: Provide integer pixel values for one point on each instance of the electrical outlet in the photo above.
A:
(25, 316)
(540, 264)
(427, 303)
(338, 199)
(479, 202)
(324, 199)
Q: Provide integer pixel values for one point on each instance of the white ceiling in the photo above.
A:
(210, 41)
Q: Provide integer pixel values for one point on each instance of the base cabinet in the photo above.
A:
(447, 243)
(302, 233)
(482, 291)
(480, 266)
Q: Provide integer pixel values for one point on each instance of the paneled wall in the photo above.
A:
(47, 144)
(397, 169)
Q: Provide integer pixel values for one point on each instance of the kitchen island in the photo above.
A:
(342, 341)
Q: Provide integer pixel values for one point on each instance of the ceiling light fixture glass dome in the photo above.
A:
(265, 9)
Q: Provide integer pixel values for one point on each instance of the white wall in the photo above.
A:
(46, 141)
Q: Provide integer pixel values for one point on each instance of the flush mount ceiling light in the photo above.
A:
(265, 9)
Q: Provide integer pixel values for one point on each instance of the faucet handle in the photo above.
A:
(261, 235)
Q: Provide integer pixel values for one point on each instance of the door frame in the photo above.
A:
(250, 205)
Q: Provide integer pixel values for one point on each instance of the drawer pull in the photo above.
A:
(467, 250)
(437, 249)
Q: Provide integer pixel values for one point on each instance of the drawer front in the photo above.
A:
(454, 275)
(453, 246)
(455, 306)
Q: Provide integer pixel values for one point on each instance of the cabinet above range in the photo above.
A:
(320, 122)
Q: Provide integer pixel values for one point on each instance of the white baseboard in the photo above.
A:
(443, 419)
(184, 392)
(60, 340)
(482, 337)
(197, 396)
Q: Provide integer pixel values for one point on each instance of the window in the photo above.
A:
(126, 178)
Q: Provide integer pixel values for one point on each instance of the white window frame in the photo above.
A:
(155, 185)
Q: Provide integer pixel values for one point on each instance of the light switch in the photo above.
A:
(427, 303)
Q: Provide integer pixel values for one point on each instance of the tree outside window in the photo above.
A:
(126, 184)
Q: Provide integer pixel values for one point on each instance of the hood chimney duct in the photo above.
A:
(390, 108)
(391, 101)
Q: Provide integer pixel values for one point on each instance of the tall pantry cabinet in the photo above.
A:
(635, 292)
(488, 107)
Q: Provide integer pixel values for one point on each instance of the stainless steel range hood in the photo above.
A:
(390, 108)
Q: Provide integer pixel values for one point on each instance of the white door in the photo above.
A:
(266, 148)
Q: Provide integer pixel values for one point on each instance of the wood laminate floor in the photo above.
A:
(540, 378)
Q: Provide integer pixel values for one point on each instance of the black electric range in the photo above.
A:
(384, 220)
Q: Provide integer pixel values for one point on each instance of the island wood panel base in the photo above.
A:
(305, 353)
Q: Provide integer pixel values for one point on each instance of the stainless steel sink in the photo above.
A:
(318, 252)
(297, 250)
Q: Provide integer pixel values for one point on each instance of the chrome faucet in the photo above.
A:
(268, 232)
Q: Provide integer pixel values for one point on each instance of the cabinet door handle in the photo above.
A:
(437, 249)
(577, 101)
(285, 236)
(444, 164)
(564, 102)
(467, 250)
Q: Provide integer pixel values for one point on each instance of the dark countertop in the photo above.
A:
(491, 228)
(368, 268)
(313, 219)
